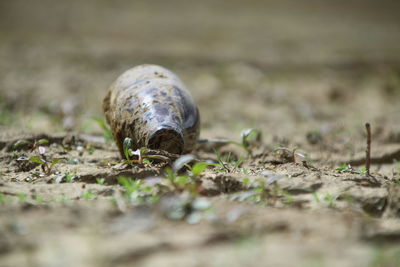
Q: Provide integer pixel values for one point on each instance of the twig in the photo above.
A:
(368, 151)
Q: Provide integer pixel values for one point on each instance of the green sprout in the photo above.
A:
(226, 162)
(32, 145)
(345, 168)
(69, 177)
(47, 166)
(136, 192)
(330, 200)
(38, 199)
(142, 155)
(88, 195)
(101, 181)
(348, 168)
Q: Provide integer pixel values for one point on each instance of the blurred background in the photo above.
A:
(270, 64)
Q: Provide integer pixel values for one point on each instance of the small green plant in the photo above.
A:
(316, 197)
(88, 195)
(361, 171)
(62, 199)
(90, 149)
(101, 181)
(36, 144)
(226, 162)
(189, 181)
(182, 183)
(46, 166)
(140, 156)
(330, 200)
(345, 168)
(69, 177)
(348, 168)
(136, 192)
(245, 171)
(38, 199)
(261, 192)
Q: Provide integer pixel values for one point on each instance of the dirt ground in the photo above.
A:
(308, 75)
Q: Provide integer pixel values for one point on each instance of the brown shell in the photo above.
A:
(150, 104)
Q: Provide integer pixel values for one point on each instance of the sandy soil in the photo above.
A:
(307, 75)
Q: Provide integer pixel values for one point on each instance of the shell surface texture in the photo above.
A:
(151, 105)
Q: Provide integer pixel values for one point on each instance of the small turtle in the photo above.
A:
(150, 105)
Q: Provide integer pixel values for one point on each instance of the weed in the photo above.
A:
(41, 159)
(182, 182)
(32, 145)
(46, 166)
(101, 181)
(69, 177)
(136, 192)
(348, 168)
(316, 197)
(345, 168)
(62, 199)
(262, 192)
(330, 200)
(88, 195)
(90, 149)
(361, 171)
(141, 154)
(38, 199)
(198, 168)
(226, 162)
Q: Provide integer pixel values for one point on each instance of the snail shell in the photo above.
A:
(151, 105)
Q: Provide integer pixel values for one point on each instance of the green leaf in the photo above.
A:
(144, 150)
(37, 160)
(88, 195)
(146, 161)
(246, 182)
(100, 181)
(199, 167)
(42, 142)
(54, 161)
(20, 143)
(128, 143)
(38, 198)
(181, 180)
